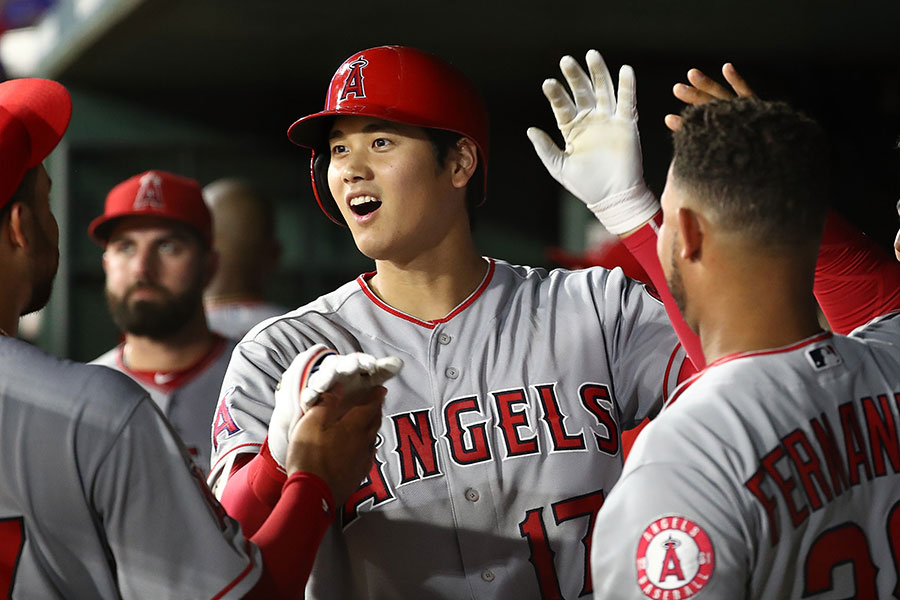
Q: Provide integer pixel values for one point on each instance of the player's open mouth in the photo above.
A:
(364, 205)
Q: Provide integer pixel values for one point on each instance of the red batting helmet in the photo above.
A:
(399, 84)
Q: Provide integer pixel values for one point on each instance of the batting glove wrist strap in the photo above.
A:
(622, 212)
(288, 407)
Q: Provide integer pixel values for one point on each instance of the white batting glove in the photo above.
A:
(300, 388)
(355, 372)
(601, 164)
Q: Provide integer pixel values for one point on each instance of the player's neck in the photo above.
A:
(429, 288)
(757, 308)
(174, 353)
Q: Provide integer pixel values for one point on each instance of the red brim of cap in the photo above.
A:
(43, 107)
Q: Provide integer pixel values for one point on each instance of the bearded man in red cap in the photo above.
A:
(156, 232)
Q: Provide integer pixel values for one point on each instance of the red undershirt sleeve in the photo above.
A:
(642, 245)
(291, 535)
(856, 280)
(253, 489)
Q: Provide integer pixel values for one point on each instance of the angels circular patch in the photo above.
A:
(675, 558)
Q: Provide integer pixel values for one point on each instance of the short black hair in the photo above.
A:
(761, 166)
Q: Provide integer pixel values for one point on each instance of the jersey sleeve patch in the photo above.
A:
(675, 559)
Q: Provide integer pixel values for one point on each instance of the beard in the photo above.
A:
(675, 281)
(158, 319)
(46, 255)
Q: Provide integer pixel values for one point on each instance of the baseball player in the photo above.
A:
(775, 475)
(99, 498)
(769, 341)
(156, 232)
(502, 433)
(244, 239)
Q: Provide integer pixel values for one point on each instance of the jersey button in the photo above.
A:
(488, 575)
(472, 495)
(452, 372)
(444, 338)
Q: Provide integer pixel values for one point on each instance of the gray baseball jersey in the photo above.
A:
(776, 474)
(234, 319)
(500, 437)
(97, 500)
(187, 398)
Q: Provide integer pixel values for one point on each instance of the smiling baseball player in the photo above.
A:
(99, 498)
(501, 436)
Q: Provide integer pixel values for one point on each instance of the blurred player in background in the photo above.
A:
(244, 238)
(156, 234)
(99, 498)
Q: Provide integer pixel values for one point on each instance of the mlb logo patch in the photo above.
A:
(823, 357)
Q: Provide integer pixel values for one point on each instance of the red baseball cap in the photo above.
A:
(34, 115)
(154, 194)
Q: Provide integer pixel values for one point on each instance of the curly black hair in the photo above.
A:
(762, 167)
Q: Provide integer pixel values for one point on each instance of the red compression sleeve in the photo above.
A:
(642, 245)
(856, 280)
(253, 490)
(291, 536)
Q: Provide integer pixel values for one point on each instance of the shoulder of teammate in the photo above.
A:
(674, 527)
(675, 501)
(885, 328)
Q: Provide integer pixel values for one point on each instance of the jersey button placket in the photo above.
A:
(444, 338)
(488, 575)
(452, 372)
(472, 495)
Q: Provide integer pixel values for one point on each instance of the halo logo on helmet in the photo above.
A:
(354, 83)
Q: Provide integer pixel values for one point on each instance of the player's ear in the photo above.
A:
(690, 229)
(19, 225)
(463, 162)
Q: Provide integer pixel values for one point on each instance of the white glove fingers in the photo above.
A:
(560, 102)
(602, 81)
(544, 146)
(366, 363)
(627, 102)
(579, 83)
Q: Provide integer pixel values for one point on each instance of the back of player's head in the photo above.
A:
(760, 168)
(404, 85)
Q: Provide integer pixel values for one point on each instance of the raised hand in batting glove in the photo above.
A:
(314, 372)
(601, 163)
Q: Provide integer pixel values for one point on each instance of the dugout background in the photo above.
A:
(207, 88)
